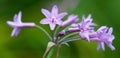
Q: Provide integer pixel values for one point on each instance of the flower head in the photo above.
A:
(52, 18)
(105, 37)
(85, 27)
(17, 24)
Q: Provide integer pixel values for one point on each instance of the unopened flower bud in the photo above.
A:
(62, 33)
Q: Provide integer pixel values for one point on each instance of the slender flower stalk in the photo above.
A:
(57, 51)
(69, 40)
(67, 36)
(55, 34)
(44, 31)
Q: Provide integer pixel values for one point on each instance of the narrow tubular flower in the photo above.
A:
(104, 35)
(84, 28)
(74, 28)
(71, 19)
(17, 24)
(52, 18)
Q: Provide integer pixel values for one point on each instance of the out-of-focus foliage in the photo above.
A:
(31, 42)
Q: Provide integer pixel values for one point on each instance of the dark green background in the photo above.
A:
(31, 42)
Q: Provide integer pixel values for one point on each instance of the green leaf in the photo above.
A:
(49, 46)
(51, 52)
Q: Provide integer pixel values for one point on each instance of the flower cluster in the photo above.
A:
(83, 30)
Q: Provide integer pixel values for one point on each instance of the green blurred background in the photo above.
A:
(31, 42)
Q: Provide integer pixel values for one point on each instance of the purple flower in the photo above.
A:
(52, 18)
(71, 19)
(17, 24)
(105, 37)
(85, 27)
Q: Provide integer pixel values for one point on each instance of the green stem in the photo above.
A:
(51, 52)
(45, 54)
(55, 33)
(57, 51)
(66, 28)
(49, 46)
(39, 27)
(68, 36)
(69, 40)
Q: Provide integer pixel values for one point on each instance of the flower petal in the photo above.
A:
(89, 18)
(102, 29)
(15, 18)
(52, 26)
(111, 46)
(10, 23)
(55, 10)
(112, 37)
(46, 13)
(83, 22)
(71, 19)
(101, 46)
(93, 24)
(15, 31)
(45, 21)
(61, 15)
(59, 22)
(85, 35)
(110, 30)
(19, 17)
